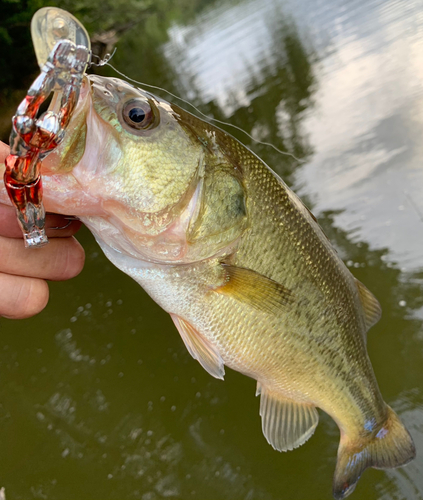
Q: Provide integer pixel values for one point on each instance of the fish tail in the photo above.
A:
(391, 447)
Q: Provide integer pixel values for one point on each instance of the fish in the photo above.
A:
(247, 275)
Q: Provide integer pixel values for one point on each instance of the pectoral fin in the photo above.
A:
(371, 306)
(200, 348)
(286, 424)
(255, 289)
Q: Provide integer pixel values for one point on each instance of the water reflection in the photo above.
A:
(99, 397)
(368, 133)
(263, 87)
(395, 346)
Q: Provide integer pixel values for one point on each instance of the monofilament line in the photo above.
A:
(208, 118)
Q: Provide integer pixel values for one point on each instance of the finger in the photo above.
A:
(9, 225)
(61, 259)
(4, 151)
(22, 297)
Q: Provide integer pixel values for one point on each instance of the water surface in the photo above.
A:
(99, 398)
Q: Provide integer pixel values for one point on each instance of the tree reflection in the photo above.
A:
(276, 92)
(142, 26)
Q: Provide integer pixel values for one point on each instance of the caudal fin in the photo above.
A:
(391, 447)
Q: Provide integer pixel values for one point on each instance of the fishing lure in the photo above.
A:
(62, 46)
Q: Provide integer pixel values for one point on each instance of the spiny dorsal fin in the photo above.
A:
(371, 306)
(255, 289)
(200, 348)
(286, 424)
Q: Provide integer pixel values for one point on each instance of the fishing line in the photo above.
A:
(101, 62)
(413, 204)
(105, 62)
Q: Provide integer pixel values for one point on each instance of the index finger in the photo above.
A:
(56, 225)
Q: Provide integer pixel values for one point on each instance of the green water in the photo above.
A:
(99, 398)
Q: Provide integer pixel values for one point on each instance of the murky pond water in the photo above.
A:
(99, 398)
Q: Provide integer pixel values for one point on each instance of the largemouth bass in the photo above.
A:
(220, 242)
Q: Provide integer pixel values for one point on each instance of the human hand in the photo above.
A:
(23, 289)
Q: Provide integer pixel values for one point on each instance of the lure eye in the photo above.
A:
(140, 115)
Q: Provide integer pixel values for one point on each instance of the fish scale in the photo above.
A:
(246, 273)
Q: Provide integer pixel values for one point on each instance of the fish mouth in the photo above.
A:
(107, 91)
(85, 89)
(59, 160)
(99, 87)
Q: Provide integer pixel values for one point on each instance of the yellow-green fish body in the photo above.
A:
(224, 246)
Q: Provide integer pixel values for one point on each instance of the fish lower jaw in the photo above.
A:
(167, 247)
(115, 238)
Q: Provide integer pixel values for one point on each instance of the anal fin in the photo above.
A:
(286, 424)
(200, 348)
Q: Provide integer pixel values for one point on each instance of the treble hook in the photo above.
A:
(70, 219)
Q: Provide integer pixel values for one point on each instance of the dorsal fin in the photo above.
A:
(286, 424)
(255, 289)
(371, 306)
(200, 348)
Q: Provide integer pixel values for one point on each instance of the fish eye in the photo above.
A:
(140, 114)
(136, 115)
